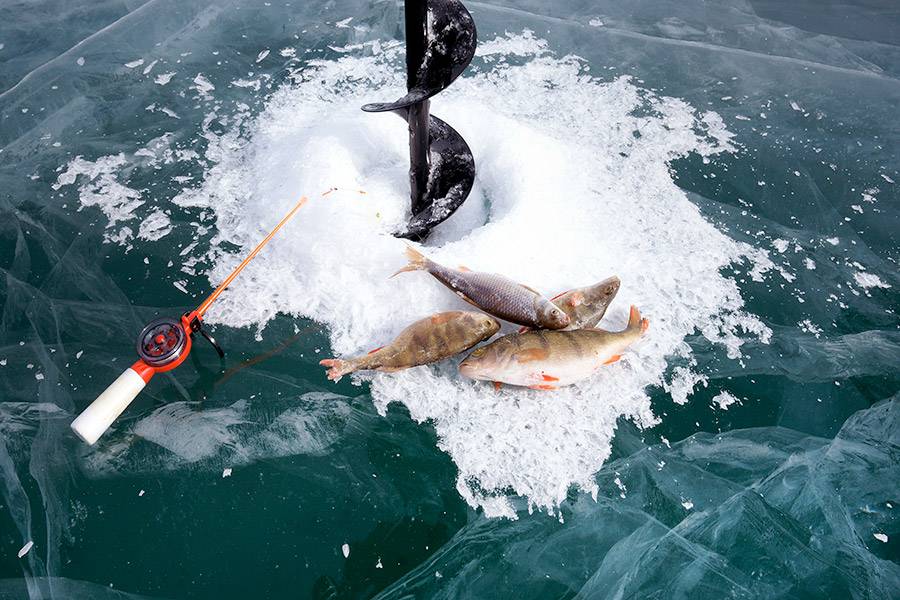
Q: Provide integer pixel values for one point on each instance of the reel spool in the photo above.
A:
(165, 343)
(162, 342)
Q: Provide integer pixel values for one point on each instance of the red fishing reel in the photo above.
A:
(166, 342)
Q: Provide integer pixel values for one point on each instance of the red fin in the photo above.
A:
(524, 328)
(375, 350)
(645, 325)
(612, 359)
(546, 377)
(560, 295)
(498, 385)
(337, 368)
(545, 388)
(634, 318)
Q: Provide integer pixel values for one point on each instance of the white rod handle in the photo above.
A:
(99, 416)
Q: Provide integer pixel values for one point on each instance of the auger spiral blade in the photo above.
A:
(450, 179)
(449, 47)
(440, 44)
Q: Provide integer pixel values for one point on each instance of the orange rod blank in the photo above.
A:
(212, 297)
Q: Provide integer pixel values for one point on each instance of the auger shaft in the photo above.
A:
(416, 15)
(440, 43)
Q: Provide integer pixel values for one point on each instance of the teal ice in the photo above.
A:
(735, 163)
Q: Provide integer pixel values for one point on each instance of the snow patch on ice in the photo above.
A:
(26, 549)
(164, 78)
(869, 280)
(99, 186)
(571, 141)
(725, 399)
(203, 86)
(155, 226)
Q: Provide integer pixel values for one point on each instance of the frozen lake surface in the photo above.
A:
(736, 164)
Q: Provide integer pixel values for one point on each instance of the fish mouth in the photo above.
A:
(611, 285)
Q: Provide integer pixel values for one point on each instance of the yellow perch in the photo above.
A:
(426, 341)
(586, 306)
(546, 360)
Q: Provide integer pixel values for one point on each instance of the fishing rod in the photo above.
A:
(161, 346)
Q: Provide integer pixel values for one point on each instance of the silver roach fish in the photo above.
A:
(426, 341)
(546, 360)
(492, 293)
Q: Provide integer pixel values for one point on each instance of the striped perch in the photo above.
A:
(546, 360)
(426, 341)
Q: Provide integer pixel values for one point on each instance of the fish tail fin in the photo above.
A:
(417, 261)
(635, 322)
(337, 368)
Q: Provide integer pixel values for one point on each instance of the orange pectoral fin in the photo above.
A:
(545, 388)
(524, 328)
(546, 377)
(464, 268)
(532, 354)
(612, 359)
(498, 385)
(375, 350)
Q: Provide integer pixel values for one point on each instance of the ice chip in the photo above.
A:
(25, 549)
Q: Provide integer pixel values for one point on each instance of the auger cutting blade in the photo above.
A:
(450, 178)
(450, 46)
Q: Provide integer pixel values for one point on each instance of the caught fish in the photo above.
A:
(546, 360)
(586, 306)
(426, 341)
(494, 294)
